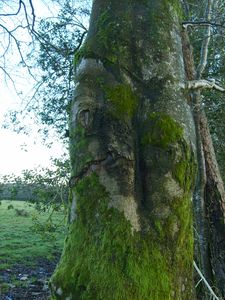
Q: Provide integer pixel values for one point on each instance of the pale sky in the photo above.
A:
(19, 151)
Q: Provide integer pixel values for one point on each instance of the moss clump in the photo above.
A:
(184, 171)
(161, 130)
(122, 99)
(103, 259)
(179, 227)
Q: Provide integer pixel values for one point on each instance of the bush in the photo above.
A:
(22, 212)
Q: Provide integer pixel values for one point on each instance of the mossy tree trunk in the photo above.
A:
(132, 147)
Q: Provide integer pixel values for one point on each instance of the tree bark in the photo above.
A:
(132, 148)
(209, 196)
(215, 203)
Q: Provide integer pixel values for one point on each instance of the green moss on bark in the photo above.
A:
(170, 162)
(122, 100)
(111, 39)
(103, 259)
(161, 130)
(185, 170)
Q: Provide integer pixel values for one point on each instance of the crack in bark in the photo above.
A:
(87, 169)
(93, 166)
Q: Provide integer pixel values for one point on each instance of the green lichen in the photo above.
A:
(122, 99)
(161, 130)
(103, 259)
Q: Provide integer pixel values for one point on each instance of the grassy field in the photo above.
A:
(19, 240)
(23, 250)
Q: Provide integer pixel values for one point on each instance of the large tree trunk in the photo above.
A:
(133, 160)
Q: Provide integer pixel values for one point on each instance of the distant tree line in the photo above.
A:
(45, 187)
(10, 191)
(28, 192)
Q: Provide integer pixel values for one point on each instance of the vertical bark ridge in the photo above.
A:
(202, 254)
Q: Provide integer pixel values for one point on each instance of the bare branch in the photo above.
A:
(12, 37)
(33, 14)
(202, 84)
(22, 4)
(201, 23)
(13, 14)
(10, 78)
(43, 41)
(26, 15)
(205, 44)
(81, 41)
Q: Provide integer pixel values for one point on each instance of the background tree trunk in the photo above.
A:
(209, 196)
(215, 204)
(132, 147)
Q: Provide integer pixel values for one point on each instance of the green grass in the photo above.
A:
(20, 243)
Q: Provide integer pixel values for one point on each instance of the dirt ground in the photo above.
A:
(26, 283)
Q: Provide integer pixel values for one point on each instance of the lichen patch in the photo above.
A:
(172, 187)
(125, 204)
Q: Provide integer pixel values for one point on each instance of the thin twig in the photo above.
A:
(33, 14)
(13, 14)
(205, 282)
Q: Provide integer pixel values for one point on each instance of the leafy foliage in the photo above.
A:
(59, 38)
(50, 59)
